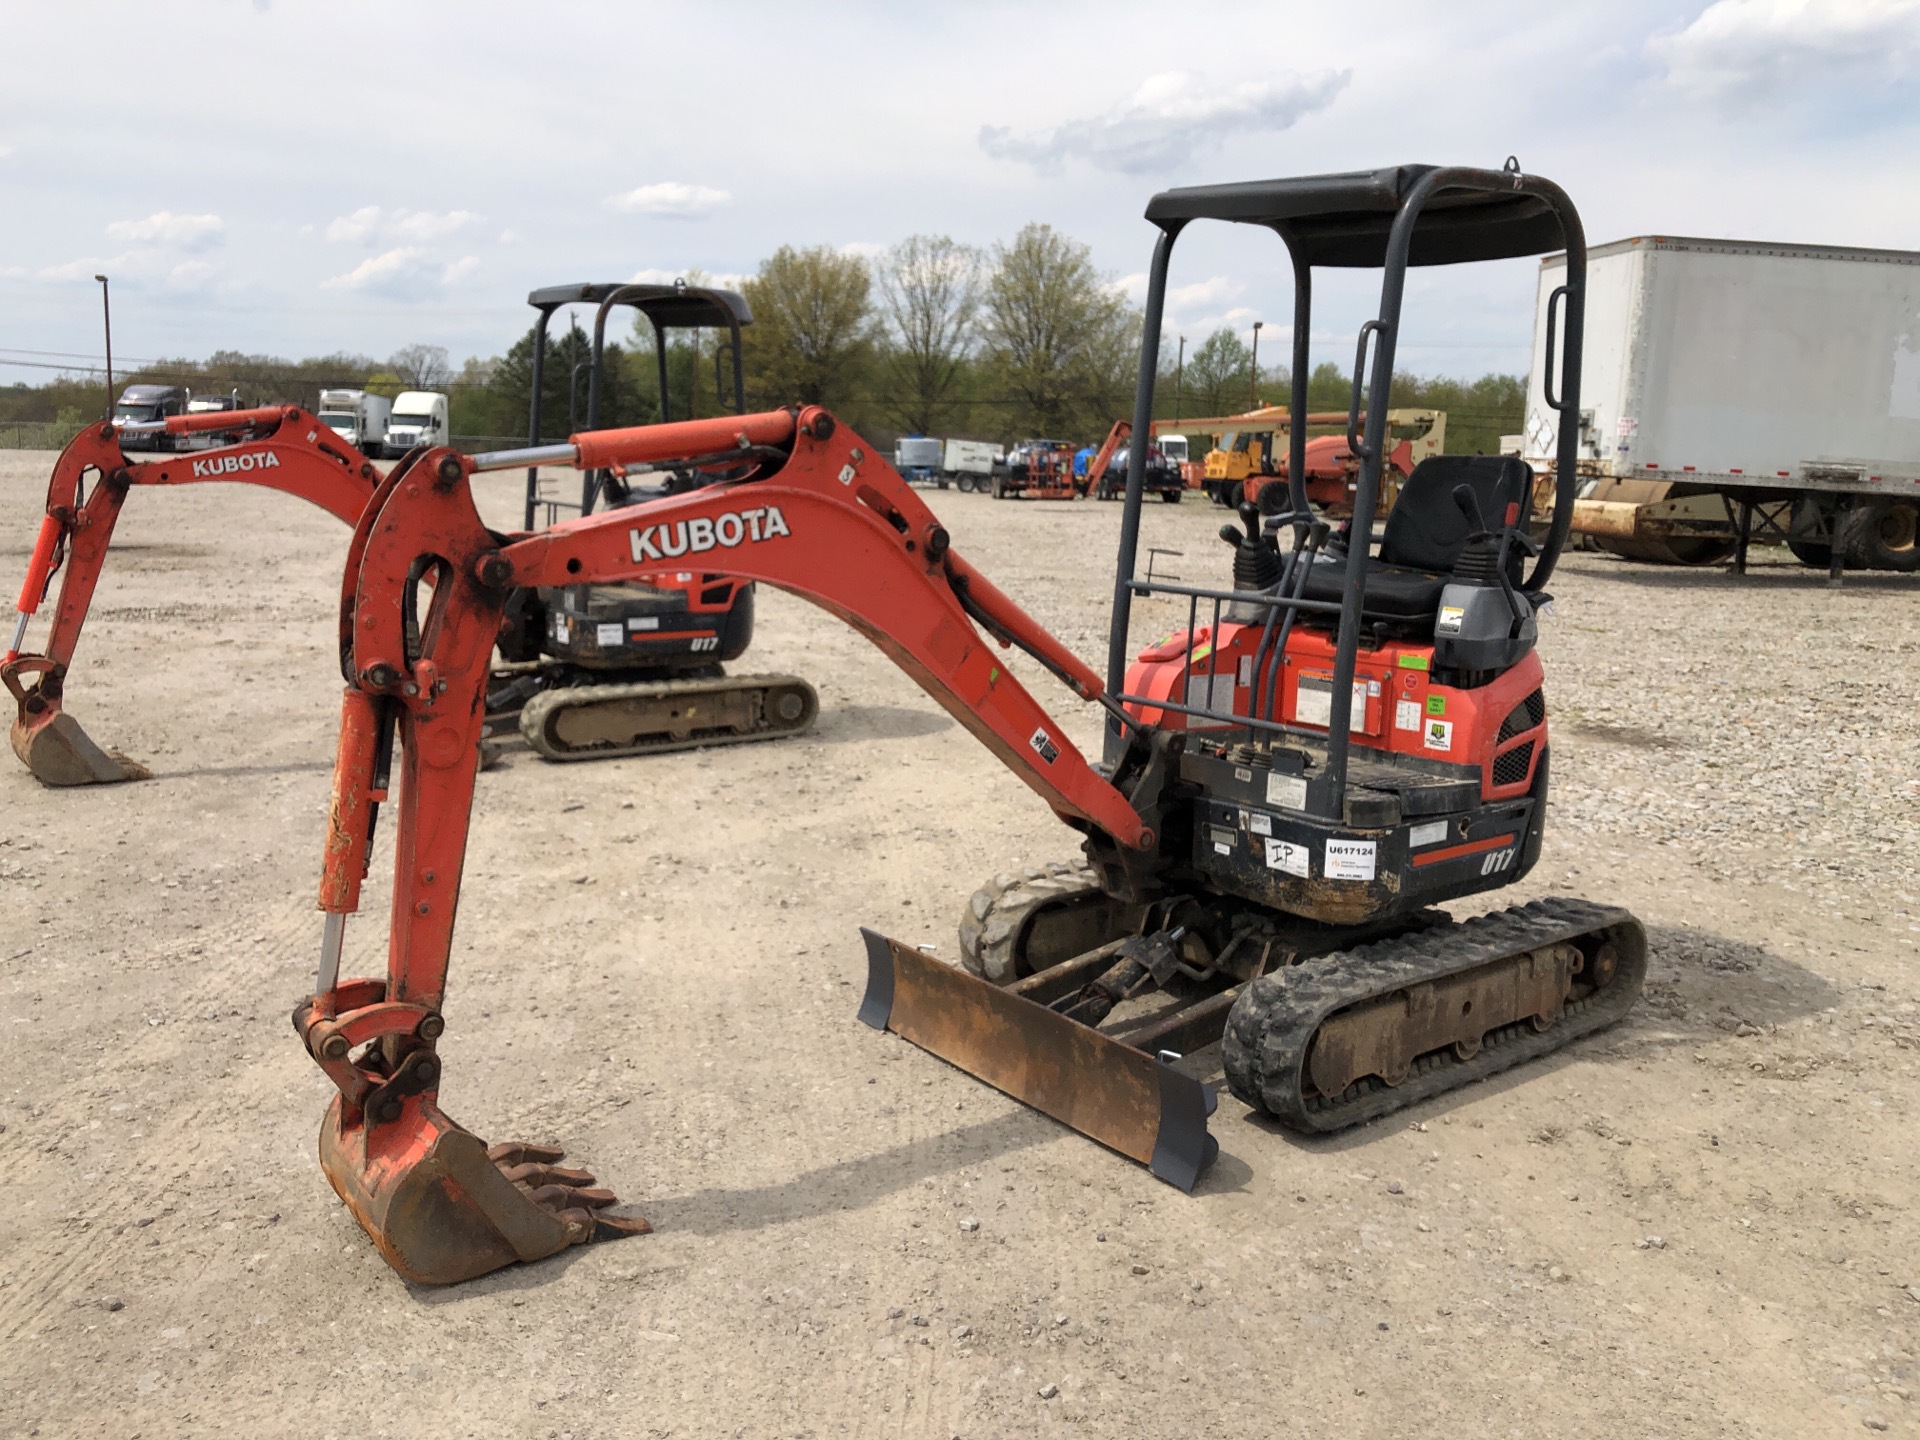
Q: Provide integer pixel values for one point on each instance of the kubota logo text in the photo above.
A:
(215, 466)
(690, 537)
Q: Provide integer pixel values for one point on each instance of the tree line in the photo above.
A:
(1022, 338)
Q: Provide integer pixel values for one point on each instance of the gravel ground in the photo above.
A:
(1698, 1223)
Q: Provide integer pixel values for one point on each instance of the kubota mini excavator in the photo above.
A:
(281, 447)
(1287, 791)
(617, 670)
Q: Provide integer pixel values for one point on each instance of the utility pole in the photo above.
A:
(106, 315)
(1179, 380)
(1253, 376)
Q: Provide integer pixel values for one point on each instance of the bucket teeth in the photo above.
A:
(59, 752)
(443, 1208)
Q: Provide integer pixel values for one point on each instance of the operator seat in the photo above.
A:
(1425, 533)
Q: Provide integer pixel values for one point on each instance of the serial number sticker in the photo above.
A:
(1313, 703)
(1246, 670)
(1258, 823)
(1449, 621)
(1289, 858)
(1287, 791)
(609, 634)
(643, 622)
(1350, 859)
(1431, 833)
(1406, 715)
(1439, 735)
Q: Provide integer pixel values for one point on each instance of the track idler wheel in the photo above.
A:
(443, 1208)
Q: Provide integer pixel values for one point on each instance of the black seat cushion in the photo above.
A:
(1425, 533)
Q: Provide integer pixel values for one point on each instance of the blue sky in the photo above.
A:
(295, 177)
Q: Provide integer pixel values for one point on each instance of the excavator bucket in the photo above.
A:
(442, 1207)
(58, 752)
(1126, 1099)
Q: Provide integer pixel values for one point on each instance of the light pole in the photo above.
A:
(1179, 380)
(106, 315)
(1253, 375)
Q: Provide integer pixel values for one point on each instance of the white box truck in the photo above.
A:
(419, 418)
(358, 418)
(969, 464)
(1736, 391)
(917, 457)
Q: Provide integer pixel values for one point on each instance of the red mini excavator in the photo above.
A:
(1334, 744)
(281, 447)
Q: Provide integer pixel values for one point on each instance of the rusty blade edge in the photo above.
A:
(1179, 1149)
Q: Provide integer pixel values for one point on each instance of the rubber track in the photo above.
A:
(1271, 1028)
(537, 711)
(996, 915)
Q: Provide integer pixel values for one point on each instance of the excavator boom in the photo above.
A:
(823, 517)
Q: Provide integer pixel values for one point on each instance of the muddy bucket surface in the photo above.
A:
(59, 752)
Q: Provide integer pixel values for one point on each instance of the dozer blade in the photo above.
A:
(1126, 1099)
(59, 752)
(444, 1208)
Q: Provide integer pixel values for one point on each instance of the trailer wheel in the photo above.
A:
(1882, 535)
(1273, 498)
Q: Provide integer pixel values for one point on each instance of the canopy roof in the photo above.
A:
(667, 306)
(1343, 220)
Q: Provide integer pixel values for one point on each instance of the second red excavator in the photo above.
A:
(1334, 744)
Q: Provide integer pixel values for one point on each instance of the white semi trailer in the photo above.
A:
(1737, 391)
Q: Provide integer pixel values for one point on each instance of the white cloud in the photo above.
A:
(371, 223)
(392, 272)
(1170, 119)
(865, 249)
(509, 237)
(460, 269)
(6, 152)
(131, 262)
(672, 199)
(175, 232)
(192, 274)
(1759, 51)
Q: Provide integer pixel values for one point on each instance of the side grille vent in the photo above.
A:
(1511, 768)
(1524, 717)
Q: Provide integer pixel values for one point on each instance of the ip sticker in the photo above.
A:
(1350, 859)
(1439, 735)
(1291, 859)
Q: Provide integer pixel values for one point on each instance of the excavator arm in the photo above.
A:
(820, 515)
(286, 449)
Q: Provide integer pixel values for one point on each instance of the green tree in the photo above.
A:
(930, 285)
(1217, 372)
(1060, 342)
(812, 340)
(564, 386)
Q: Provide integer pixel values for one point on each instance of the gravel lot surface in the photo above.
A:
(1701, 1222)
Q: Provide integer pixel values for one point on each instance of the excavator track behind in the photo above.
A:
(652, 717)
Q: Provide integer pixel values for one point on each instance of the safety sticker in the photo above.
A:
(1431, 833)
(1259, 823)
(1044, 747)
(609, 634)
(1313, 702)
(561, 629)
(643, 622)
(1436, 704)
(1413, 662)
(1439, 735)
(1406, 715)
(1350, 859)
(1287, 791)
(1290, 859)
(1449, 621)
